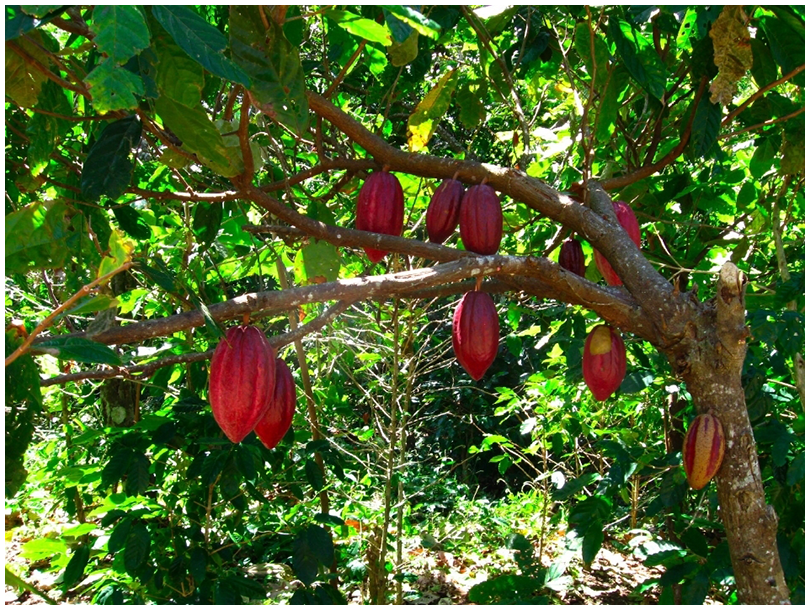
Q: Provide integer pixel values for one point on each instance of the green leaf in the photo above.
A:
(787, 45)
(311, 548)
(639, 57)
(764, 68)
(176, 75)
(75, 567)
(207, 220)
(695, 590)
(200, 40)
(404, 53)
(314, 475)
(416, 20)
(130, 220)
(705, 127)
(316, 263)
(574, 486)
(113, 87)
(137, 548)
(598, 57)
(611, 102)
(23, 82)
(138, 475)
(93, 304)
(43, 548)
(36, 237)
(274, 67)
(107, 169)
(430, 111)
(199, 135)
(360, 26)
(470, 102)
(763, 159)
(505, 589)
(80, 350)
(114, 469)
(198, 561)
(119, 536)
(121, 31)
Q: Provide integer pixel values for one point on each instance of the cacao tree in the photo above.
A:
(169, 169)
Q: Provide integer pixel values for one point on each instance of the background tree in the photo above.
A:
(172, 168)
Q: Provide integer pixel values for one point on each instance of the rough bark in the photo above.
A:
(710, 362)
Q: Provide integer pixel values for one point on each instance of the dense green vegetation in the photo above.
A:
(172, 170)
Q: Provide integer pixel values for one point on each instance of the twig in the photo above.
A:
(759, 94)
(83, 291)
(763, 124)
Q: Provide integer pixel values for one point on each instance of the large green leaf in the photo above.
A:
(311, 548)
(107, 169)
(430, 111)
(201, 40)
(176, 75)
(317, 262)
(639, 57)
(75, 567)
(80, 350)
(137, 548)
(360, 26)
(36, 237)
(113, 87)
(199, 135)
(506, 589)
(596, 58)
(122, 31)
(274, 67)
(415, 19)
(705, 127)
(23, 82)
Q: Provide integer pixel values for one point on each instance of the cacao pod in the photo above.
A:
(604, 362)
(703, 450)
(481, 220)
(380, 209)
(572, 258)
(443, 210)
(243, 378)
(629, 222)
(475, 333)
(275, 423)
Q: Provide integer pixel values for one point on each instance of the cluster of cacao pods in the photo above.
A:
(477, 212)
(703, 450)
(478, 215)
(249, 388)
(604, 361)
(572, 259)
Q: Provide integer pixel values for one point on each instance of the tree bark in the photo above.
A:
(711, 364)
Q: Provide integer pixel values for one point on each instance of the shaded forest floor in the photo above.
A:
(436, 576)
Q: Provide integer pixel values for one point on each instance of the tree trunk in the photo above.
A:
(712, 367)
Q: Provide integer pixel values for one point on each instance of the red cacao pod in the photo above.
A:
(629, 222)
(243, 376)
(604, 362)
(572, 258)
(475, 333)
(703, 450)
(481, 220)
(380, 209)
(443, 210)
(275, 423)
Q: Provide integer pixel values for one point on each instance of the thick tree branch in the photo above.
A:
(612, 304)
(601, 230)
(145, 370)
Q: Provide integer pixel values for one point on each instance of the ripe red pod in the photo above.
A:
(380, 209)
(481, 220)
(275, 423)
(572, 258)
(629, 222)
(475, 333)
(703, 450)
(243, 376)
(443, 210)
(604, 362)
